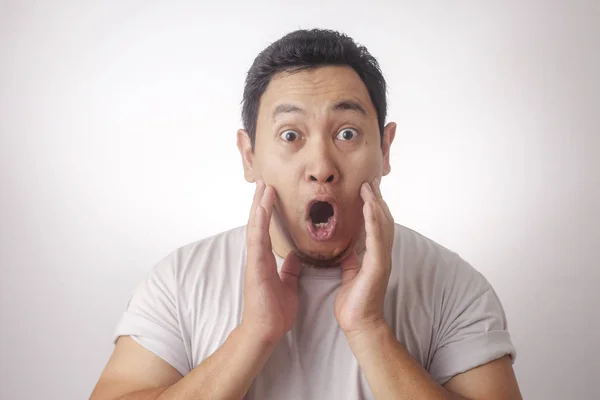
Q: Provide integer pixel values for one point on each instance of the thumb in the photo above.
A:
(350, 267)
(290, 271)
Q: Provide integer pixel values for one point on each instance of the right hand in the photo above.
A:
(270, 298)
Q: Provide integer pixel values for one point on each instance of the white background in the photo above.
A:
(117, 145)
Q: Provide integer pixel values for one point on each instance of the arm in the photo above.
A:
(270, 306)
(134, 373)
(390, 370)
(392, 373)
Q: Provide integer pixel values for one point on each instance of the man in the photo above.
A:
(321, 295)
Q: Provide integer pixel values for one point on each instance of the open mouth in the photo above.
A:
(321, 220)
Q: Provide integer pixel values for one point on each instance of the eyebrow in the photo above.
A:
(343, 105)
(351, 105)
(287, 108)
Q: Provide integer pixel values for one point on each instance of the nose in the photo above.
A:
(316, 178)
(321, 167)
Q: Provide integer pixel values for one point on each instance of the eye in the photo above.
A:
(289, 136)
(347, 134)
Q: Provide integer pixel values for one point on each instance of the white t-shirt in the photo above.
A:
(440, 308)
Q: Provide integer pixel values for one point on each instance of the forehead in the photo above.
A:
(314, 88)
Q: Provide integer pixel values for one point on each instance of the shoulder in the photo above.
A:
(221, 252)
(421, 258)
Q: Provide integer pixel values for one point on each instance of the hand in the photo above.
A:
(359, 301)
(270, 300)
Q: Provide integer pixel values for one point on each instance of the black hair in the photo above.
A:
(308, 49)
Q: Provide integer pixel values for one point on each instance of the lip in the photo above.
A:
(333, 221)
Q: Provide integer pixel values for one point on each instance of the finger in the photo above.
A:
(259, 240)
(387, 214)
(374, 236)
(350, 267)
(366, 192)
(386, 211)
(375, 185)
(290, 271)
(373, 227)
(378, 197)
(379, 229)
(258, 193)
(268, 200)
(252, 235)
(261, 204)
(382, 203)
(368, 196)
(378, 242)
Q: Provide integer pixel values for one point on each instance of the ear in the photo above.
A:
(389, 133)
(245, 147)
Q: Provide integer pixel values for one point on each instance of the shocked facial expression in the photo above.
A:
(317, 141)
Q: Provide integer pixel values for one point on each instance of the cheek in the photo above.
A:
(363, 168)
(265, 162)
(281, 172)
(287, 190)
(279, 183)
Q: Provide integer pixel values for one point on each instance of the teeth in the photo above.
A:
(321, 225)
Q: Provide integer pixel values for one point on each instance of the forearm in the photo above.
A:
(226, 374)
(390, 370)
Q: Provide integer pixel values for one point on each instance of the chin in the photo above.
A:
(323, 254)
(321, 234)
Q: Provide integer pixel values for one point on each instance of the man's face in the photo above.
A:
(317, 141)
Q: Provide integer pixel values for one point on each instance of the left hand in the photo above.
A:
(359, 302)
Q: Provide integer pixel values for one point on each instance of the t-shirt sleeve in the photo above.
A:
(151, 317)
(473, 327)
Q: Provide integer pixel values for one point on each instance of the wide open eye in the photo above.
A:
(289, 136)
(347, 134)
